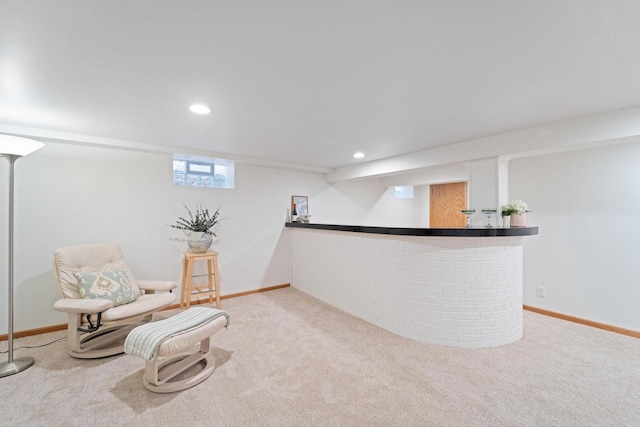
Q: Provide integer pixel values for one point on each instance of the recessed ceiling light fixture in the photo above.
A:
(199, 109)
(358, 155)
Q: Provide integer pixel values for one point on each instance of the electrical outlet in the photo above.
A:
(540, 291)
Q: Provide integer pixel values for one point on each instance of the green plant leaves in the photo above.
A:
(201, 221)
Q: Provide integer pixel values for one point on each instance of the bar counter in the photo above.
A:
(450, 286)
(404, 231)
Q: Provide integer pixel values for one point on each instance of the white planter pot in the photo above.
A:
(199, 242)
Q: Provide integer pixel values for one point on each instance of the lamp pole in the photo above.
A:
(14, 147)
(20, 364)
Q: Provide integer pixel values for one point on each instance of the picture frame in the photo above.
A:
(302, 204)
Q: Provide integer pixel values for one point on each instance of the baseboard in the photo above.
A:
(63, 326)
(610, 328)
(36, 331)
(205, 300)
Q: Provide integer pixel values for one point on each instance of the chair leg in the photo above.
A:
(96, 344)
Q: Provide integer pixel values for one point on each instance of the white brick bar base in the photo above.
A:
(458, 291)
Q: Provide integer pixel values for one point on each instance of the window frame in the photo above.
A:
(227, 178)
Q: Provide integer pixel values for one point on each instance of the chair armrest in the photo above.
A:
(156, 285)
(90, 306)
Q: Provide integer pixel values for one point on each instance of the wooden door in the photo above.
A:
(445, 203)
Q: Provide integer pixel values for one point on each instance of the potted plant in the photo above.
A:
(198, 228)
(516, 210)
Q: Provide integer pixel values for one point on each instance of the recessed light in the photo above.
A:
(199, 109)
(358, 155)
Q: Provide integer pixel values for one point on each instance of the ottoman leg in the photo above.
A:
(159, 372)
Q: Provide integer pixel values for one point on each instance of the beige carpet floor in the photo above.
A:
(290, 360)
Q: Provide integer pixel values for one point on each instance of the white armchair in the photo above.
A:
(103, 300)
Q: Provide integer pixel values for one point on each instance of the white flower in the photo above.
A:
(515, 206)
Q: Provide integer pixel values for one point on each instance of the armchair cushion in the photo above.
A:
(143, 305)
(112, 285)
(90, 306)
(87, 258)
(156, 285)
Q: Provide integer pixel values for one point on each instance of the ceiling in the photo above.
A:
(313, 82)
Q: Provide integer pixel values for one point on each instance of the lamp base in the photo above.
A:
(18, 365)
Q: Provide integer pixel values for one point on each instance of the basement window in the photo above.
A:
(206, 172)
(405, 192)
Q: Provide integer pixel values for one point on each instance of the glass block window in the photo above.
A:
(405, 192)
(207, 172)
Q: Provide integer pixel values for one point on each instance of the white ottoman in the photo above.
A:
(167, 342)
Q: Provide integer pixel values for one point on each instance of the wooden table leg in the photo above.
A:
(210, 279)
(184, 283)
(216, 281)
(189, 280)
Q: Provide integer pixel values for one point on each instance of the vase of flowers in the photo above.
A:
(198, 228)
(516, 210)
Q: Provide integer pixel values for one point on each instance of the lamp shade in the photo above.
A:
(17, 146)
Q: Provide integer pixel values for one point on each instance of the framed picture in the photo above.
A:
(302, 204)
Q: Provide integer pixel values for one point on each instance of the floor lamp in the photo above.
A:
(13, 147)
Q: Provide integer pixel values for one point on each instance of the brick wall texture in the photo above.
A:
(463, 292)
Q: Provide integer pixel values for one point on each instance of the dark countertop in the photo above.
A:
(434, 232)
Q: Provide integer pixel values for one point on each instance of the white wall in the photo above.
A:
(422, 194)
(74, 194)
(483, 190)
(364, 202)
(587, 205)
